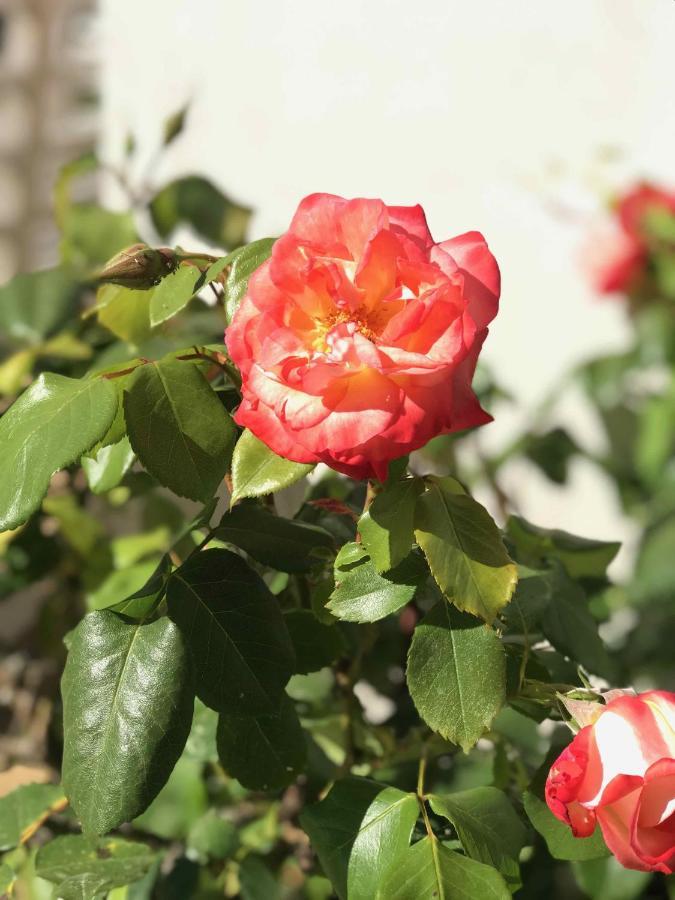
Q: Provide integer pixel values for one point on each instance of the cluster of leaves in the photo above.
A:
(278, 682)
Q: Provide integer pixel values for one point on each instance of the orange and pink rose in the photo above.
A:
(358, 339)
(619, 772)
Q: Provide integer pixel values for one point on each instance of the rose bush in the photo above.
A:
(618, 253)
(620, 772)
(358, 339)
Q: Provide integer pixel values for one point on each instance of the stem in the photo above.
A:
(421, 772)
(183, 256)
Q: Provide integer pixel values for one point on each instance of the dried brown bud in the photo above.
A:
(139, 267)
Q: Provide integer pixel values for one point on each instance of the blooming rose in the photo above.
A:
(358, 339)
(620, 772)
(618, 251)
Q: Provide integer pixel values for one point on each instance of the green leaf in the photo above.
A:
(360, 831)
(582, 557)
(127, 710)
(198, 202)
(428, 869)
(50, 426)
(33, 305)
(178, 428)
(530, 600)
(92, 235)
(386, 528)
(125, 312)
(361, 595)
(464, 549)
(243, 263)
(174, 125)
(22, 811)
(182, 801)
(108, 467)
(212, 837)
(257, 470)
(121, 587)
(487, 826)
(316, 645)
(241, 648)
(283, 544)
(552, 452)
(456, 674)
(83, 870)
(7, 879)
(173, 293)
(256, 881)
(264, 753)
(570, 627)
(559, 839)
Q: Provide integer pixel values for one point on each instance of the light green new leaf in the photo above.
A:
(108, 467)
(456, 674)
(264, 753)
(127, 710)
(428, 869)
(386, 528)
(173, 293)
(284, 544)
(24, 808)
(241, 649)
(243, 263)
(84, 870)
(316, 644)
(360, 831)
(257, 470)
(487, 826)
(50, 426)
(361, 595)
(178, 428)
(464, 549)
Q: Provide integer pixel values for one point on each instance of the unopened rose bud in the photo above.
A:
(139, 266)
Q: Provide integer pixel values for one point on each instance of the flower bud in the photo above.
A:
(139, 266)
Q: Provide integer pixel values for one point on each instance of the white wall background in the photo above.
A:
(469, 108)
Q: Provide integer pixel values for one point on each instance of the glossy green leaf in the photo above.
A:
(178, 428)
(487, 826)
(361, 595)
(582, 557)
(559, 839)
(456, 674)
(257, 470)
(50, 426)
(264, 753)
(464, 549)
(108, 467)
(360, 831)
(316, 645)
(195, 201)
(34, 304)
(23, 809)
(243, 262)
(428, 869)
(173, 293)
(386, 528)
(240, 646)
(284, 544)
(84, 870)
(127, 710)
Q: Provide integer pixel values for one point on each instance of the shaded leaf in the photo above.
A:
(34, 304)
(50, 426)
(240, 646)
(456, 674)
(127, 710)
(212, 837)
(179, 429)
(316, 645)
(464, 549)
(264, 753)
(582, 557)
(91, 235)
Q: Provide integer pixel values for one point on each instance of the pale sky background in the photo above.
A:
(493, 114)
